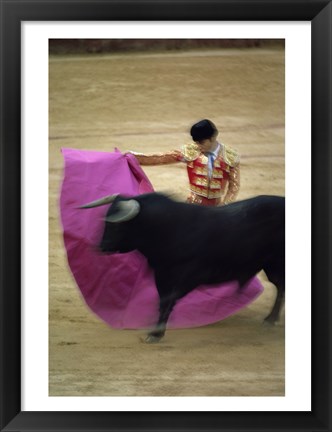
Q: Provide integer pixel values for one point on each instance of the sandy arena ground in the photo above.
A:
(147, 103)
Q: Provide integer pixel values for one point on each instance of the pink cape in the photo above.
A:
(120, 288)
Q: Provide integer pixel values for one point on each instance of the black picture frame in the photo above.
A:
(319, 13)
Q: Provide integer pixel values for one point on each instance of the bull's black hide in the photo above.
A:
(189, 245)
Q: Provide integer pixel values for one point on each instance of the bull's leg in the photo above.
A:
(278, 279)
(165, 309)
(274, 315)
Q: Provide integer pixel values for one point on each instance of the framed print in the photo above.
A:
(39, 118)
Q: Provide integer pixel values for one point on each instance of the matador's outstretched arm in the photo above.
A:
(158, 158)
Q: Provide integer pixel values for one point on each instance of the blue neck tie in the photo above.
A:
(210, 163)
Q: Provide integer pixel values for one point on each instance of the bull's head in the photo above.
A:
(117, 236)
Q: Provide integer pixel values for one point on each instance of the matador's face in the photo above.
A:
(207, 145)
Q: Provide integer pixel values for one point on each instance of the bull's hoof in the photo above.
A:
(151, 339)
(269, 322)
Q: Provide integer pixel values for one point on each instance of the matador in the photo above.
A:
(213, 168)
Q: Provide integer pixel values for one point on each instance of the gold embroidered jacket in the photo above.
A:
(224, 183)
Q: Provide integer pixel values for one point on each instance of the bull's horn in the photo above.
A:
(102, 201)
(126, 211)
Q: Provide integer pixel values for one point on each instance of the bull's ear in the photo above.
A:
(126, 210)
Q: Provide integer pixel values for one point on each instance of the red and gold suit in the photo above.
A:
(218, 188)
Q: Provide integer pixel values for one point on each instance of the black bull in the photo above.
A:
(188, 245)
